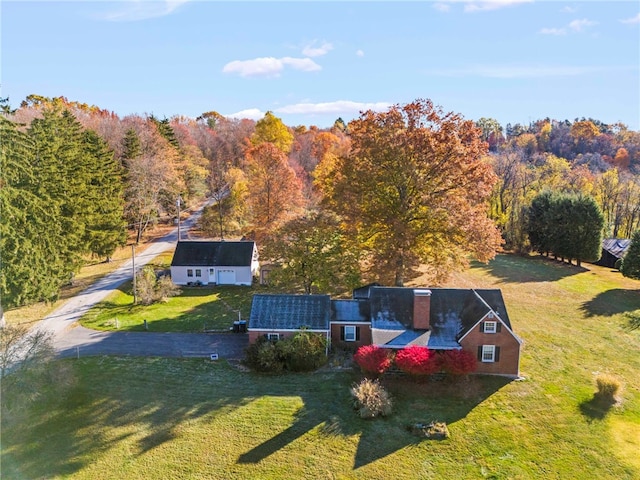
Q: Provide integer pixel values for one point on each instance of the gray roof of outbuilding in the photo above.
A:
(616, 246)
(290, 312)
(214, 254)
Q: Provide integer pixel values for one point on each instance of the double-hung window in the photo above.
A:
(189, 272)
(488, 353)
(350, 333)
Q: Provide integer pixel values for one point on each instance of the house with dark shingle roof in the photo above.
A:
(277, 316)
(219, 263)
(474, 320)
(447, 319)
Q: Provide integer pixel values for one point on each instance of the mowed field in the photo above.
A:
(195, 419)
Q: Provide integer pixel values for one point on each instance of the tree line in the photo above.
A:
(386, 197)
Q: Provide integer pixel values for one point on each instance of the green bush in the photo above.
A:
(264, 356)
(608, 385)
(302, 352)
(371, 399)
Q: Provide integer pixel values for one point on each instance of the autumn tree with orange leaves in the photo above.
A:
(414, 191)
(275, 192)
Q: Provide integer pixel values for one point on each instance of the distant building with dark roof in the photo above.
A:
(613, 249)
(220, 263)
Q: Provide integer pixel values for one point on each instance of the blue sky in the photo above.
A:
(312, 62)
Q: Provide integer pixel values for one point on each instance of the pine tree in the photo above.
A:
(31, 268)
(105, 229)
(631, 264)
(131, 144)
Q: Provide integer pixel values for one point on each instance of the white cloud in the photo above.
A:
(269, 66)
(337, 107)
(484, 6)
(135, 10)
(635, 19)
(575, 26)
(517, 71)
(251, 113)
(569, 9)
(580, 25)
(442, 7)
(313, 51)
(553, 31)
(360, 53)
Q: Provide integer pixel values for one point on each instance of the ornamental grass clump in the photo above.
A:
(371, 399)
(608, 386)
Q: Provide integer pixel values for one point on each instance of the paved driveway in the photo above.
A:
(70, 339)
(80, 341)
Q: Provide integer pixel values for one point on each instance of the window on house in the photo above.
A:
(273, 337)
(189, 272)
(350, 333)
(490, 327)
(211, 271)
(198, 272)
(488, 353)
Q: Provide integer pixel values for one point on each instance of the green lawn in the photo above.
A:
(195, 419)
(194, 310)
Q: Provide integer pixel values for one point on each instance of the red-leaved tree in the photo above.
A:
(372, 359)
(458, 362)
(416, 360)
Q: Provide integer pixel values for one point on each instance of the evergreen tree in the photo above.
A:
(105, 229)
(585, 229)
(538, 224)
(62, 177)
(31, 267)
(131, 144)
(568, 225)
(166, 130)
(631, 264)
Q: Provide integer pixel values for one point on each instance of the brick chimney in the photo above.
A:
(421, 309)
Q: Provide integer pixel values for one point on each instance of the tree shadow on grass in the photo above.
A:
(381, 437)
(597, 407)
(521, 269)
(147, 402)
(612, 302)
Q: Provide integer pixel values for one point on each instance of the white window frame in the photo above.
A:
(488, 353)
(273, 336)
(212, 271)
(199, 272)
(350, 333)
(189, 272)
(491, 323)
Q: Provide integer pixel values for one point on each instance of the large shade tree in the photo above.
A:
(311, 252)
(414, 190)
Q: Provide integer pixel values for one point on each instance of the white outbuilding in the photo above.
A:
(219, 263)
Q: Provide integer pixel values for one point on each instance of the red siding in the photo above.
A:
(509, 361)
(365, 335)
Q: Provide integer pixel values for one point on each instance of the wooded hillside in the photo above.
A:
(409, 187)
